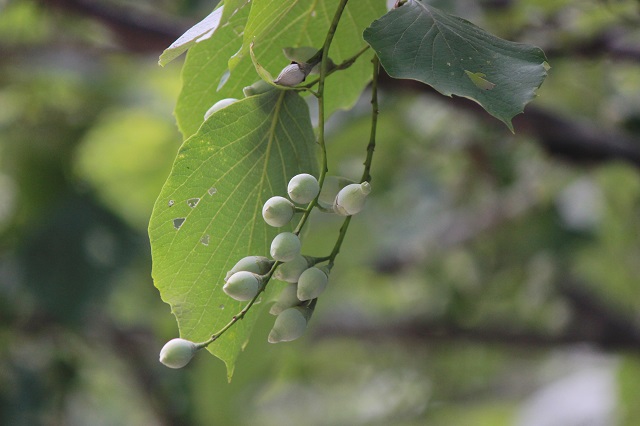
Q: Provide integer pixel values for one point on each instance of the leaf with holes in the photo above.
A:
(417, 41)
(209, 213)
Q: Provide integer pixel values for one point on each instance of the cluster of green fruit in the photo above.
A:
(305, 281)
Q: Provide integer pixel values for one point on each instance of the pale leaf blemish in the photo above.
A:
(193, 202)
(212, 190)
(171, 203)
(223, 80)
(205, 240)
(177, 222)
(478, 79)
(221, 307)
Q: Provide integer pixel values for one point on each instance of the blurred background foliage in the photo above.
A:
(492, 280)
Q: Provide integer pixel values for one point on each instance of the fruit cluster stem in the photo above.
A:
(324, 62)
(371, 146)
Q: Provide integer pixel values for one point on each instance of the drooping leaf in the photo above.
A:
(208, 215)
(272, 26)
(417, 41)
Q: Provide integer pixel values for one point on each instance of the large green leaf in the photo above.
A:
(208, 214)
(455, 57)
(273, 25)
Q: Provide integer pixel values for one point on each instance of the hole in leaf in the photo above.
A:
(193, 202)
(177, 222)
(212, 190)
(171, 203)
(205, 240)
(478, 79)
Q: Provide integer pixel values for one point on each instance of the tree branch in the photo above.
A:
(561, 136)
(594, 324)
(134, 30)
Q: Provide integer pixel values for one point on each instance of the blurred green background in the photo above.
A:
(492, 280)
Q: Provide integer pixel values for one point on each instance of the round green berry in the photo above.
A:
(257, 264)
(242, 286)
(286, 299)
(289, 325)
(177, 353)
(290, 271)
(330, 188)
(350, 200)
(303, 188)
(312, 283)
(278, 211)
(285, 247)
(218, 106)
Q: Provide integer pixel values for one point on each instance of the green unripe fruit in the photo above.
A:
(289, 325)
(218, 106)
(287, 299)
(242, 286)
(292, 75)
(177, 353)
(330, 188)
(350, 200)
(312, 283)
(278, 211)
(285, 247)
(257, 88)
(290, 271)
(257, 264)
(303, 188)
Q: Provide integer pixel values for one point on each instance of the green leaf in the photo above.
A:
(231, 7)
(417, 41)
(273, 25)
(208, 215)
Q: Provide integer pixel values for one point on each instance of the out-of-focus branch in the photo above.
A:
(133, 29)
(593, 324)
(593, 317)
(609, 44)
(561, 136)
